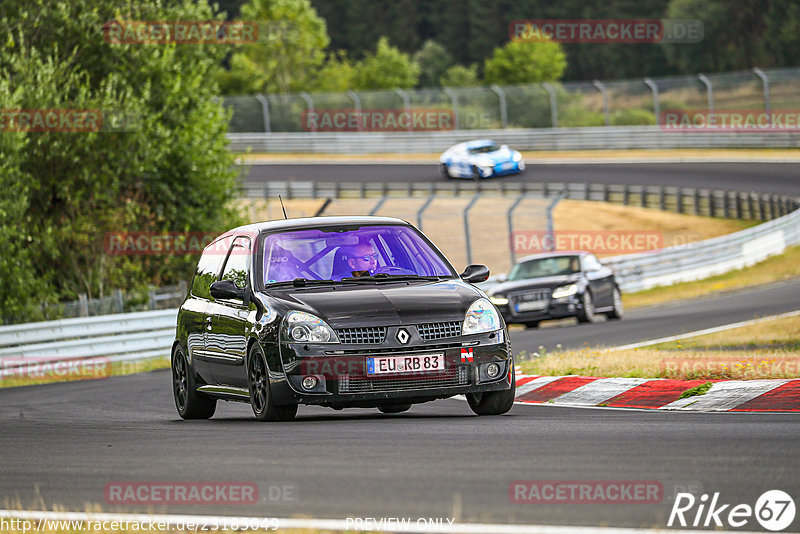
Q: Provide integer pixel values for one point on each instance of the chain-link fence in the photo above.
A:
(614, 103)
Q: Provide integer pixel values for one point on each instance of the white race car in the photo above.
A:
(480, 159)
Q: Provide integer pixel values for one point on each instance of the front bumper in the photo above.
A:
(557, 309)
(343, 381)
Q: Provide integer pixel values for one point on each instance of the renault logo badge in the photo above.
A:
(403, 336)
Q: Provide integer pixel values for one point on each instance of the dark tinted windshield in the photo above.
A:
(484, 149)
(336, 253)
(545, 267)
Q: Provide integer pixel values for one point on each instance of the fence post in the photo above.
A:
(454, 100)
(626, 195)
(501, 97)
(767, 104)
(739, 205)
(553, 104)
(264, 111)
(357, 103)
(679, 200)
(151, 299)
(119, 301)
(697, 201)
(510, 219)
(466, 226)
(656, 106)
(549, 212)
(406, 105)
(309, 107)
(602, 88)
(662, 198)
(423, 208)
(643, 196)
(83, 305)
(712, 205)
(709, 91)
(727, 204)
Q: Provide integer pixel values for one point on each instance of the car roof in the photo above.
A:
(553, 254)
(301, 223)
(479, 143)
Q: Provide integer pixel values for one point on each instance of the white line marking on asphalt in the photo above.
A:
(337, 524)
(713, 330)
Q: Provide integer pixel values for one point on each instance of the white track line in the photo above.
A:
(696, 333)
(336, 524)
(600, 390)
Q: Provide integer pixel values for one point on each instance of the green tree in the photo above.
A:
(163, 167)
(290, 48)
(386, 68)
(460, 76)
(336, 74)
(522, 62)
(433, 60)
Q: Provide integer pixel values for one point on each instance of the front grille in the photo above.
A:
(365, 334)
(452, 377)
(392, 350)
(433, 331)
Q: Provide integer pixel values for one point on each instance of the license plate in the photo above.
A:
(507, 165)
(532, 305)
(414, 363)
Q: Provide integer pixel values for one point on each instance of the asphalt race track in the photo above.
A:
(62, 443)
(781, 178)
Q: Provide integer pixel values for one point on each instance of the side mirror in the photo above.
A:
(226, 289)
(475, 273)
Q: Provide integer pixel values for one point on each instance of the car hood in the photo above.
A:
(547, 282)
(385, 303)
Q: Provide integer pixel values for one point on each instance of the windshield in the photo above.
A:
(545, 267)
(484, 149)
(343, 252)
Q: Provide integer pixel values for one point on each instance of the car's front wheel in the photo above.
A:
(586, 313)
(394, 408)
(260, 396)
(494, 402)
(618, 310)
(190, 403)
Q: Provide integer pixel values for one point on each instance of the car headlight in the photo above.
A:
(517, 157)
(302, 327)
(498, 301)
(481, 317)
(565, 291)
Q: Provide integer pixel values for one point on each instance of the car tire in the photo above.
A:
(446, 171)
(619, 310)
(394, 408)
(260, 394)
(494, 402)
(586, 313)
(190, 403)
(531, 324)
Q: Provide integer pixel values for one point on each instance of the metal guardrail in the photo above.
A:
(119, 337)
(689, 200)
(590, 138)
(710, 257)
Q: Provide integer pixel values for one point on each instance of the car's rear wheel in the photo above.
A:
(394, 408)
(260, 395)
(586, 313)
(619, 310)
(190, 403)
(494, 402)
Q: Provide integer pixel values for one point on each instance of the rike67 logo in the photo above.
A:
(774, 510)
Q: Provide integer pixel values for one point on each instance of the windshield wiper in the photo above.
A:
(382, 277)
(302, 282)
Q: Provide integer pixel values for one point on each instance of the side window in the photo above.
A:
(207, 271)
(237, 267)
(590, 263)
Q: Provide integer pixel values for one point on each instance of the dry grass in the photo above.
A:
(774, 269)
(770, 349)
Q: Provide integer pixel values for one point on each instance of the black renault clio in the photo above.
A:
(338, 312)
